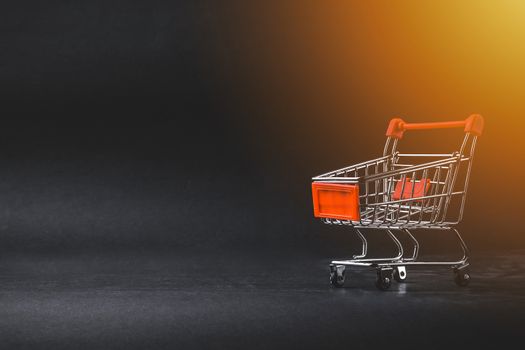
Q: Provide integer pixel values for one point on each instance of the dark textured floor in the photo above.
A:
(260, 300)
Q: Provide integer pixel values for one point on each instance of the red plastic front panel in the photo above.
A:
(335, 201)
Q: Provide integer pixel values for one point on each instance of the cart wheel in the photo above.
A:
(400, 274)
(462, 276)
(384, 278)
(337, 275)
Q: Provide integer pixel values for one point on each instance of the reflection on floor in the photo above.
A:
(251, 300)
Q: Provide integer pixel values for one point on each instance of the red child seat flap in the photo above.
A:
(421, 188)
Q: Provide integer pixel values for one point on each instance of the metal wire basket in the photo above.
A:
(398, 192)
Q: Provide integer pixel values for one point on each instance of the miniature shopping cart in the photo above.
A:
(399, 192)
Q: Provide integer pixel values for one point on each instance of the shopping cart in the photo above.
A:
(399, 192)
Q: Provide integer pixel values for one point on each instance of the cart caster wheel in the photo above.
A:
(337, 275)
(400, 274)
(384, 278)
(462, 276)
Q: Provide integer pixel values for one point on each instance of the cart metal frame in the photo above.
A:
(387, 200)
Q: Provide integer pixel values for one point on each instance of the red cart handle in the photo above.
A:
(473, 124)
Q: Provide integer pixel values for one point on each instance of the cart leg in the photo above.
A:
(464, 247)
(416, 246)
(398, 245)
(364, 248)
(359, 258)
(400, 272)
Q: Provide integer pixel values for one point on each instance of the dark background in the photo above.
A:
(194, 124)
(155, 165)
(119, 132)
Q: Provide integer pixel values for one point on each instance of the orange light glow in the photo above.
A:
(321, 80)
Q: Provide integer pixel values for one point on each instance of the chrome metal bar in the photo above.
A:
(395, 258)
(423, 177)
(385, 149)
(444, 190)
(364, 248)
(416, 168)
(462, 261)
(351, 263)
(411, 196)
(413, 199)
(337, 179)
(398, 243)
(466, 252)
(416, 246)
(409, 165)
(403, 179)
(425, 154)
(427, 263)
(427, 226)
(451, 188)
(454, 176)
(467, 177)
(353, 166)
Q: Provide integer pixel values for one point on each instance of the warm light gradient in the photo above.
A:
(319, 81)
